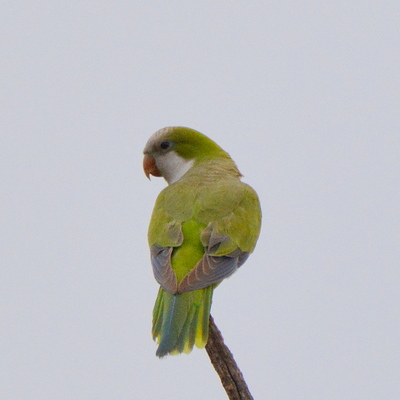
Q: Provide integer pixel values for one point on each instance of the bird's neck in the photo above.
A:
(209, 170)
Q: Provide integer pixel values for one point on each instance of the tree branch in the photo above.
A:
(225, 365)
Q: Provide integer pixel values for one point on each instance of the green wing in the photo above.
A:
(200, 234)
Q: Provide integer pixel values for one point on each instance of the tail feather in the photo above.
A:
(186, 339)
(157, 314)
(180, 321)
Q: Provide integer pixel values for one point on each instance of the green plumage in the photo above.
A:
(207, 211)
(180, 321)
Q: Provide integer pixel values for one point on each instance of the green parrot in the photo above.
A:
(204, 225)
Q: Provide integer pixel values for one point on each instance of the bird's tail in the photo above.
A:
(181, 321)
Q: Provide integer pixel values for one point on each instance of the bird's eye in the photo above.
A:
(165, 145)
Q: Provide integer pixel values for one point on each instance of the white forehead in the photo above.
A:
(155, 137)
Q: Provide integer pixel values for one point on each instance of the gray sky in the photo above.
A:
(305, 98)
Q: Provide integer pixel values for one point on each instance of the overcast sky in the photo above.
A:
(305, 98)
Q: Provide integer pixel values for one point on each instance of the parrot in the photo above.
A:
(204, 225)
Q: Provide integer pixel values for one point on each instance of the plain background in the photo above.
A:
(305, 98)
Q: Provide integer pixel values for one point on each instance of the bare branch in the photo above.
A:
(225, 365)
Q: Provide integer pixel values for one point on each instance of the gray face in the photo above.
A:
(171, 166)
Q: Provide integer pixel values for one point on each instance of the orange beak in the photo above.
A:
(149, 166)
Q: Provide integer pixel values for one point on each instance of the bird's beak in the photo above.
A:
(149, 166)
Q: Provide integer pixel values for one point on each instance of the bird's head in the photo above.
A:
(172, 151)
